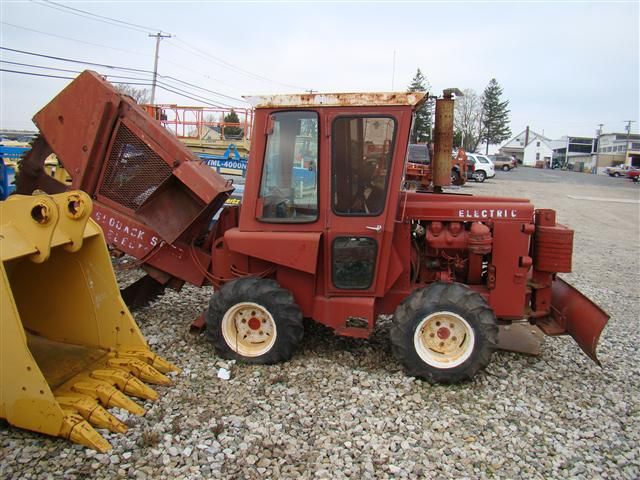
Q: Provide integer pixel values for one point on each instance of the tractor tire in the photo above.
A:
(444, 333)
(254, 320)
(506, 168)
(479, 176)
(456, 179)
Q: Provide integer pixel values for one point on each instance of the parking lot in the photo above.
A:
(565, 177)
(343, 408)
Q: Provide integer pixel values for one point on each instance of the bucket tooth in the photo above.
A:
(126, 382)
(140, 369)
(92, 412)
(78, 430)
(108, 395)
(147, 356)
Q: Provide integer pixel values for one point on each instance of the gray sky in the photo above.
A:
(564, 66)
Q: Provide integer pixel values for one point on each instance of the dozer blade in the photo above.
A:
(69, 348)
(574, 314)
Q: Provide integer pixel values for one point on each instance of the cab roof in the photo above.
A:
(375, 99)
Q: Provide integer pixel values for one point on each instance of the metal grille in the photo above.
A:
(133, 172)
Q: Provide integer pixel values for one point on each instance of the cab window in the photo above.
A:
(289, 184)
(362, 149)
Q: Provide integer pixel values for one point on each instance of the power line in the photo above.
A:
(177, 90)
(72, 39)
(114, 67)
(184, 67)
(146, 29)
(94, 16)
(75, 61)
(199, 73)
(39, 66)
(204, 89)
(221, 62)
(35, 74)
(146, 84)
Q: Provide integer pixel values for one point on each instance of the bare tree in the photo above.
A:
(468, 119)
(140, 95)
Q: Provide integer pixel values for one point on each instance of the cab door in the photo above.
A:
(359, 226)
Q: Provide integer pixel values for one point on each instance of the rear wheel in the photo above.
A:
(444, 333)
(616, 174)
(254, 320)
(479, 176)
(506, 168)
(455, 177)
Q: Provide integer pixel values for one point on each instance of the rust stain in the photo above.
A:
(337, 99)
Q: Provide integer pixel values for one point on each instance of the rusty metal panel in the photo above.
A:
(133, 170)
(520, 337)
(298, 250)
(141, 241)
(433, 206)
(576, 315)
(338, 99)
(200, 181)
(77, 125)
(553, 249)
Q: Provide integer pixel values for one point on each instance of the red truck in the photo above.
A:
(418, 173)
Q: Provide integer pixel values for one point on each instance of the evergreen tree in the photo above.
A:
(422, 126)
(495, 115)
(232, 131)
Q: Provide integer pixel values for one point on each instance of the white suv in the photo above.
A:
(482, 167)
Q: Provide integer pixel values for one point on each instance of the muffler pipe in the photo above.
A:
(443, 140)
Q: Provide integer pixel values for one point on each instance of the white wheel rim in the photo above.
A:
(249, 329)
(444, 340)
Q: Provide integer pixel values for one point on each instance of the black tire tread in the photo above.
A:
(268, 293)
(460, 299)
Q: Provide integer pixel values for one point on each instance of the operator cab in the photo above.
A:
(325, 170)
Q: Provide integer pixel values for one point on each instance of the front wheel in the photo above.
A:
(444, 333)
(479, 176)
(456, 179)
(616, 174)
(254, 320)
(505, 168)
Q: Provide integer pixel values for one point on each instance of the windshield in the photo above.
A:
(289, 187)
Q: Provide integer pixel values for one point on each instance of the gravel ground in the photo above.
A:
(343, 408)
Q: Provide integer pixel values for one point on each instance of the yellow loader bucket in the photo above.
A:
(69, 348)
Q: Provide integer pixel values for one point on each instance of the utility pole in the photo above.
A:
(626, 146)
(159, 36)
(595, 146)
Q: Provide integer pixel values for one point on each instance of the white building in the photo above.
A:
(575, 153)
(538, 153)
(516, 146)
(618, 149)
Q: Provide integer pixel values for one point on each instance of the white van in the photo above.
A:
(482, 167)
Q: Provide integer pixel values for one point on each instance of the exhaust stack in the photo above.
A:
(443, 145)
